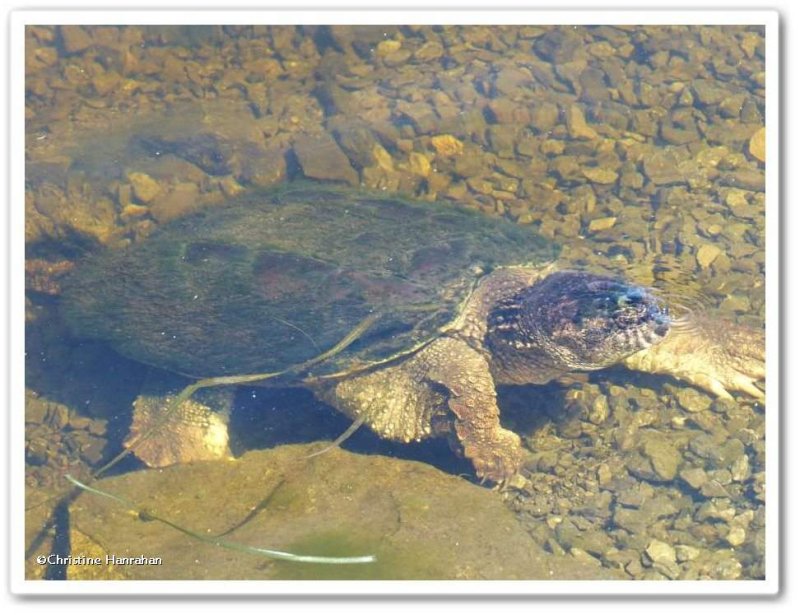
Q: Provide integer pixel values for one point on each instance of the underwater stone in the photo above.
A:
(544, 116)
(707, 254)
(577, 126)
(599, 175)
(429, 51)
(447, 145)
(558, 45)
(686, 553)
(182, 199)
(602, 224)
(661, 168)
(707, 92)
(420, 522)
(694, 477)
(757, 145)
(663, 558)
(663, 458)
(692, 400)
(75, 39)
(145, 188)
(321, 158)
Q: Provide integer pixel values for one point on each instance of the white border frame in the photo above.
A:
(20, 19)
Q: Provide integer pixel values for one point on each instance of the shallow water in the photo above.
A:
(638, 149)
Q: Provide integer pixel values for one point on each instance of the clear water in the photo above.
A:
(635, 148)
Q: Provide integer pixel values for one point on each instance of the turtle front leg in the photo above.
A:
(719, 357)
(406, 401)
(495, 452)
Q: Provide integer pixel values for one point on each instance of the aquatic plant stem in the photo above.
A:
(204, 383)
(146, 515)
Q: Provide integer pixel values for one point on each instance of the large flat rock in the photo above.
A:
(420, 522)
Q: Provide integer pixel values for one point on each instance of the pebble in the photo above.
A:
(749, 179)
(663, 558)
(740, 469)
(182, 199)
(385, 48)
(736, 536)
(692, 400)
(661, 168)
(736, 303)
(600, 176)
(106, 82)
(577, 126)
(714, 489)
(382, 158)
(736, 200)
(558, 45)
(707, 254)
(598, 411)
(145, 188)
(75, 39)
(321, 158)
(694, 477)
(706, 92)
(757, 145)
(418, 163)
(725, 566)
(447, 145)
(544, 117)
(397, 58)
(663, 457)
(602, 224)
(429, 51)
(686, 553)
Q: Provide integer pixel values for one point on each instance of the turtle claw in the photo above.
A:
(497, 462)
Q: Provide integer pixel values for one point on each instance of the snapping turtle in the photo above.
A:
(456, 302)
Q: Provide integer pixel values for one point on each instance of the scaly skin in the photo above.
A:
(715, 356)
(407, 402)
(718, 357)
(448, 386)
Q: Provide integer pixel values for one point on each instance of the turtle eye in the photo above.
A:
(633, 296)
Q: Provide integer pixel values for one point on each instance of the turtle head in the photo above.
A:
(581, 321)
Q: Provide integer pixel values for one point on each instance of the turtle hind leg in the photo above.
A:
(194, 431)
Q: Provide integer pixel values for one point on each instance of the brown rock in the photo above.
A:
(145, 188)
(181, 200)
(602, 224)
(577, 126)
(447, 145)
(75, 39)
(419, 522)
(757, 145)
(321, 158)
(707, 254)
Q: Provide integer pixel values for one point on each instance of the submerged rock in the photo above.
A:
(321, 158)
(419, 522)
(757, 145)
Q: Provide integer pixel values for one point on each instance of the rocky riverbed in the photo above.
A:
(640, 149)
